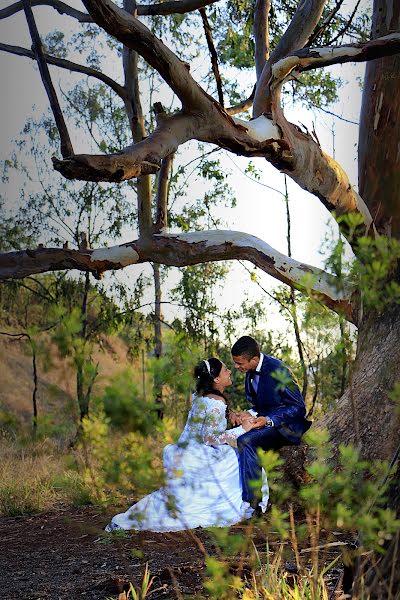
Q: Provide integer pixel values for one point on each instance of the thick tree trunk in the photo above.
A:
(365, 415)
(379, 155)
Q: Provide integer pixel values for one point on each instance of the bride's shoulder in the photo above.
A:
(214, 398)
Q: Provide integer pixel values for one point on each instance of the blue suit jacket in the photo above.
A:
(282, 402)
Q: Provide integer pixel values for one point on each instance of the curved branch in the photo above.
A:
(182, 250)
(163, 8)
(296, 36)
(317, 171)
(313, 58)
(71, 66)
(175, 7)
(135, 35)
(137, 160)
(242, 106)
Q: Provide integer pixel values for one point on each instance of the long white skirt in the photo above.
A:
(202, 489)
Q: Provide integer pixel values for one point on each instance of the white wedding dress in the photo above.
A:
(202, 487)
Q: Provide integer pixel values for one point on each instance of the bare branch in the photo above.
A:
(332, 186)
(71, 66)
(60, 7)
(242, 106)
(66, 145)
(261, 34)
(135, 35)
(140, 159)
(213, 55)
(254, 138)
(326, 22)
(182, 250)
(296, 36)
(163, 8)
(347, 25)
(312, 58)
(175, 7)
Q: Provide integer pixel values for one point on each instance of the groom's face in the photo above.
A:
(245, 364)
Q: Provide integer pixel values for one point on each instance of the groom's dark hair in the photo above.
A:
(246, 346)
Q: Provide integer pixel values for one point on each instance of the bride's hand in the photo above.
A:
(248, 424)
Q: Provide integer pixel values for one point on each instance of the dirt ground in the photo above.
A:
(65, 555)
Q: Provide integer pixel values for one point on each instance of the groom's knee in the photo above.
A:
(244, 441)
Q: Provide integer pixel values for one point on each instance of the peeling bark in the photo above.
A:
(187, 249)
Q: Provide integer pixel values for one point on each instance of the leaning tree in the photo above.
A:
(369, 220)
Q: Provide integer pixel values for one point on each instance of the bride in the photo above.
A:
(202, 486)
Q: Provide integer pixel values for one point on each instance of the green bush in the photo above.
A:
(125, 406)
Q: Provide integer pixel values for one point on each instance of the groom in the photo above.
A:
(277, 406)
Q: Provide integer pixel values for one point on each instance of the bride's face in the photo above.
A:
(224, 377)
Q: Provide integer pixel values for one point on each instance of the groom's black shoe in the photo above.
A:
(257, 512)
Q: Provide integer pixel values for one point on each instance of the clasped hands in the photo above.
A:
(247, 421)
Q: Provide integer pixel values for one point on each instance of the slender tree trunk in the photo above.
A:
(83, 397)
(158, 386)
(293, 302)
(35, 387)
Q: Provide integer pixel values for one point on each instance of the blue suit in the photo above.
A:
(279, 398)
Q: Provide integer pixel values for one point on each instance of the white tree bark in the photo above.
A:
(182, 250)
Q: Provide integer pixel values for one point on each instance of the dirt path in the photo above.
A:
(63, 555)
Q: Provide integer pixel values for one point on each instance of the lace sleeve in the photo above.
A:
(214, 432)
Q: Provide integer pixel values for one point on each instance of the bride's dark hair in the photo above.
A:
(205, 377)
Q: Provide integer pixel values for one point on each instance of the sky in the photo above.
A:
(260, 211)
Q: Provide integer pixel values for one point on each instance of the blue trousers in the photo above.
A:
(267, 438)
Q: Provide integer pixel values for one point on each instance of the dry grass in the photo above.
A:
(26, 476)
(57, 384)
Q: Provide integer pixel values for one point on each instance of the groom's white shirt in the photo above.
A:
(258, 369)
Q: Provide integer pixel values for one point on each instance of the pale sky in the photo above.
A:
(260, 211)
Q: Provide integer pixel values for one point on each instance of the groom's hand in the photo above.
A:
(262, 422)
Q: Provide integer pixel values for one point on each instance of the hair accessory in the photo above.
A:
(208, 366)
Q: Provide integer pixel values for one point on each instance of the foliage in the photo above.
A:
(346, 502)
(175, 370)
(111, 462)
(126, 407)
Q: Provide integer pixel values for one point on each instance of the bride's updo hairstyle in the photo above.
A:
(205, 373)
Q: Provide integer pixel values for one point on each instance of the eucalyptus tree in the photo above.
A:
(365, 413)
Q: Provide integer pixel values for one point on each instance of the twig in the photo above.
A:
(213, 55)
(322, 546)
